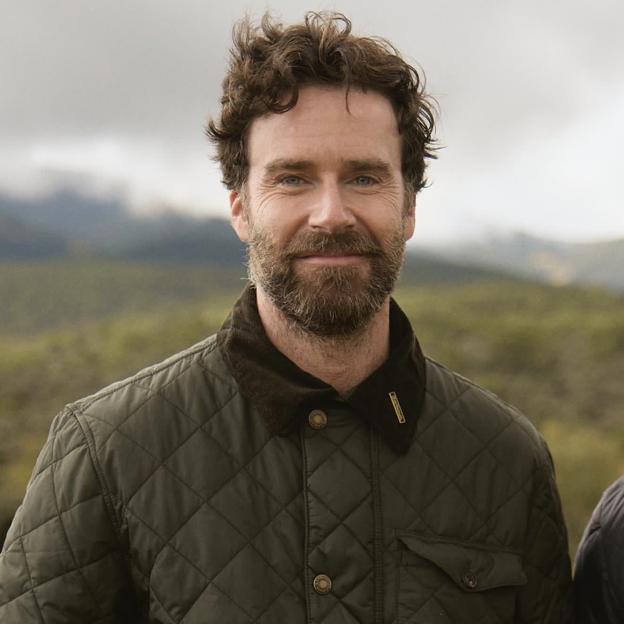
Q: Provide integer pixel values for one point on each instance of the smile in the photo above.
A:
(334, 259)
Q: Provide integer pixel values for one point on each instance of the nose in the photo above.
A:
(330, 211)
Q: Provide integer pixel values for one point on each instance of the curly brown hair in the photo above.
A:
(271, 62)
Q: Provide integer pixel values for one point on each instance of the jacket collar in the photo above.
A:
(284, 394)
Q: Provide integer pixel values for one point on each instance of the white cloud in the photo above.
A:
(148, 175)
(530, 92)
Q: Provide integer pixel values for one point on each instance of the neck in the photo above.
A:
(341, 362)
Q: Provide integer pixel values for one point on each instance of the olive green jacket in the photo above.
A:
(227, 486)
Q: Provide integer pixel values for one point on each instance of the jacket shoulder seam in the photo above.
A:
(106, 493)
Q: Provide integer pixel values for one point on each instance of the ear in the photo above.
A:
(238, 216)
(409, 223)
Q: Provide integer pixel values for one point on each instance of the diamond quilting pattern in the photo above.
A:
(279, 463)
(411, 485)
(483, 458)
(175, 502)
(179, 503)
(209, 540)
(194, 406)
(289, 602)
(47, 565)
(254, 584)
(211, 603)
(117, 445)
(457, 481)
(49, 556)
(210, 469)
(178, 603)
(434, 438)
(345, 558)
(233, 499)
(322, 485)
(226, 431)
(334, 548)
(285, 530)
(139, 427)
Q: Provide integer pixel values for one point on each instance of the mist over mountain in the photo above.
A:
(72, 214)
(559, 263)
(600, 263)
(104, 226)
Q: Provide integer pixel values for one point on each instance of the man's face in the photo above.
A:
(323, 210)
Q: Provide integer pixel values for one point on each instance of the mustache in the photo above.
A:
(340, 243)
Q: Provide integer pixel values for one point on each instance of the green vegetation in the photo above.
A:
(557, 354)
(38, 296)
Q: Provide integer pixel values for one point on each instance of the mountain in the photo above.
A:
(105, 224)
(20, 240)
(423, 268)
(555, 262)
(71, 214)
(188, 240)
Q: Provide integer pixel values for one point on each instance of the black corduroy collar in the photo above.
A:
(390, 398)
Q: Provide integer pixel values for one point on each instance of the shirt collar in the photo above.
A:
(390, 399)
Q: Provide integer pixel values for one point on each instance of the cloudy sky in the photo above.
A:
(112, 96)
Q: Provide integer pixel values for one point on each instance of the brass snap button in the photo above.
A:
(317, 419)
(322, 584)
(469, 580)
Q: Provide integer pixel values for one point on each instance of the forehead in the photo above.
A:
(329, 125)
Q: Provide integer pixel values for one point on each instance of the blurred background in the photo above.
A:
(115, 249)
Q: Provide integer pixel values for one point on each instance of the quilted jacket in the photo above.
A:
(179, 496)
(599, 570)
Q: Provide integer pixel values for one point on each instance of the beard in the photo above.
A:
(326, 301)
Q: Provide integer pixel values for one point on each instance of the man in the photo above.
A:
(599, 573)
(307, 463)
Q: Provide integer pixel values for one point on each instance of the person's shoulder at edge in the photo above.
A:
(599, 564)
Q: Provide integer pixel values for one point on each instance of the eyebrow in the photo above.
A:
(372, 165)
(281, 164)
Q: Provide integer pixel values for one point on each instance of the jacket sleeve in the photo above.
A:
(547, 597)
(599, 570)
(591, 592)
(62, 560)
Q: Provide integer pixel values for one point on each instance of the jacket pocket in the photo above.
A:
(444, 582)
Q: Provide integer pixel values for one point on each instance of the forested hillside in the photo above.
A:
(557, 354)
(40, 296)
(37, 296)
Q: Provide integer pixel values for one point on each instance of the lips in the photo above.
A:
(331, 255)
(332, 258)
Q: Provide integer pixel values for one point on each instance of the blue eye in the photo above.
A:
(364, 180)
(291, 180)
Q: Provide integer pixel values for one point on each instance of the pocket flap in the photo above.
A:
(472, 567)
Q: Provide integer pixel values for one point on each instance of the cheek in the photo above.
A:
(279, 220)
(384, 221)
(409, 223)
